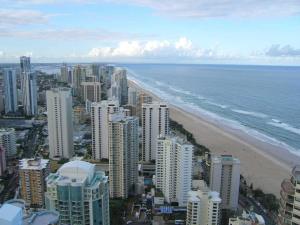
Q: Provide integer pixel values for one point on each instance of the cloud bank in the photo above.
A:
(199, 8)
(283, 51)
(183, 48)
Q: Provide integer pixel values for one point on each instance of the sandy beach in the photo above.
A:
(263, 164)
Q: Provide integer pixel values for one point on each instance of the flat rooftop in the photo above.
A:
(42, 217)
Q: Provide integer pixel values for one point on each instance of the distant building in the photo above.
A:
(289, 211)
(225, 179)
(2, 161)
(29, 88)
(65, 73)
(91, 91)
(78, 76)
(10, 93)
(119, 86)
(203, 207)
(99, 122)
(79, 193)
(32, 175)
(8, 141)
(142, 99)
(60, 124)
(174, 161)
(132, 97)
(155, 123)
(79, 115)
(123, 154)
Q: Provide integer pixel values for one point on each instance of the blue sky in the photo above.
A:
(186, 31)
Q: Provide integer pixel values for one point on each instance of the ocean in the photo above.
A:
(262, 101)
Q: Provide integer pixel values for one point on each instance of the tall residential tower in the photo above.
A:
(155, 123)
(60, 124)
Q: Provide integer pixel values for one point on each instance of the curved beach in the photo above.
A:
(263, 164)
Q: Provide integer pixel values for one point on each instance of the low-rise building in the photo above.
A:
(203, 207)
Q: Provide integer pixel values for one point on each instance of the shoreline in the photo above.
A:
(263, 164)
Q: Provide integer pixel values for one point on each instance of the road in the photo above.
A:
(256, 208)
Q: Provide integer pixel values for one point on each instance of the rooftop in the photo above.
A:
(42, 217)
(77, 170)
(33, 164)
(9, 212)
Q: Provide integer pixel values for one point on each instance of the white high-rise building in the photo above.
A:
(225, 179)
(8, 141)
(123, 154)
(99, 121)
(173, 175)
(79, 193)
(203, 207)
(60, 124)
(29, 87)
(91, 91)
(155, 123)
(11, 95)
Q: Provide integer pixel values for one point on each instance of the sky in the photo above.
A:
(151, 31)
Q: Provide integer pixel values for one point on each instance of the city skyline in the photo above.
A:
(255, 32)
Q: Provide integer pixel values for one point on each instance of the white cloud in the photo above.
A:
(182, 48)
(283, 51)
(63, 34)
(183, 43)
(197, 8)
(20, 17)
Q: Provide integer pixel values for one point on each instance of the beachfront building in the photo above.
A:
(10, 92)
(225, 179)
(203, 207)
(79, 193)
(8, 141)
(2, 161)
(60, 123)
(123, 154)
(132, 97)
(91, 91)
(155, 123)
(32, 175)
(99, 121)
(119, 86)
(289, 211)
(173, 176)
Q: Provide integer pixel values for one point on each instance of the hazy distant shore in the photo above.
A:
(263, 164)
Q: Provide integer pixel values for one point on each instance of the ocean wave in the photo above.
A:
(249, 113)
(216, 104)
(215, 118)
(285, 126)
